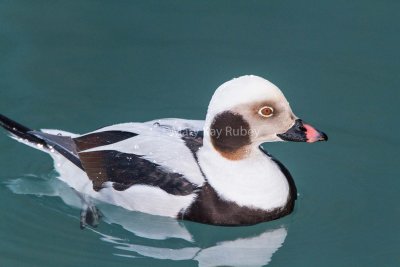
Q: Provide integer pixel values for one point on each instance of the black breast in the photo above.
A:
(209, 208)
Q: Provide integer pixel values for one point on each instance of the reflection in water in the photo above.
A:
(252, 251)
(177, 240)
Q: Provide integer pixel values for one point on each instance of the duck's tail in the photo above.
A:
(47, 142)
(20, 131)
(53, 141)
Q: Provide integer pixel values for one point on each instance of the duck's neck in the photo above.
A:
(255, 181)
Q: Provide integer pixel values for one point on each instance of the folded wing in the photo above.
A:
(159, 153)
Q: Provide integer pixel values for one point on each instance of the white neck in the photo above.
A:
(255, 181)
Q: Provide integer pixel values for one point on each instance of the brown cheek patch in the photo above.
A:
(235, 155)
(230, 135)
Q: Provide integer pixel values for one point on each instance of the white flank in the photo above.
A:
(148, 199)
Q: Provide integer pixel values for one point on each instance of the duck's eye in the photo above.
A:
(266, 111)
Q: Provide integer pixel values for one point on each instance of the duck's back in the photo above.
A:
(149, 167)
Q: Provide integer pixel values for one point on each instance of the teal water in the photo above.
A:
(80, 65)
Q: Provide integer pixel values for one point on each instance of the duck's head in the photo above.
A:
(249, 110)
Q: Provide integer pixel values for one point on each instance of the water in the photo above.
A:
(80, 65)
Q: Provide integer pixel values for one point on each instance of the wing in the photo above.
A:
(159, 153)
(191, 131)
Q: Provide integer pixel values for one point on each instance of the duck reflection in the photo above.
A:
(208, 245)
(166, 238)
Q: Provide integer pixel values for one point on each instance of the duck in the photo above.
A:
(211, 171)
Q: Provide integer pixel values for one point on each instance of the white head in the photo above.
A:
(247, 111)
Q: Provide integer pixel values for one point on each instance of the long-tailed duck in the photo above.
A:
(211, 171)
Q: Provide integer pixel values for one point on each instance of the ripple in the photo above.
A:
(137, 236)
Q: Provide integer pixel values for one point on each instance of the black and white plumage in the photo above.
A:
(211, 171)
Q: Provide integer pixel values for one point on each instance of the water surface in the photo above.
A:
(80, 65)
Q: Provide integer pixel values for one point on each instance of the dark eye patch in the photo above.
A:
(229, 132)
